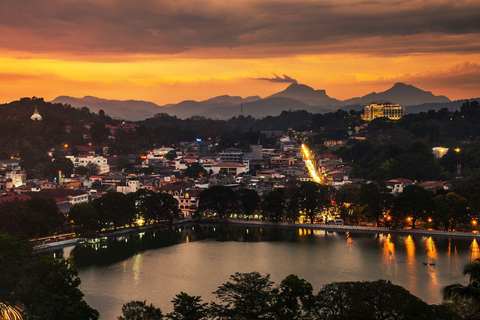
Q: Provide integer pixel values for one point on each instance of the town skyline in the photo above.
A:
(165, 53)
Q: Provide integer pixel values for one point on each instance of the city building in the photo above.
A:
(231, 155)
(379, 110)
(84, 160)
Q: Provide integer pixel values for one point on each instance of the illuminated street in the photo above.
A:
(310, 166)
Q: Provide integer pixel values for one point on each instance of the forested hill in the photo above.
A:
(30, 140)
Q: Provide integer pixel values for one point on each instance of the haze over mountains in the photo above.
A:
(294, 97)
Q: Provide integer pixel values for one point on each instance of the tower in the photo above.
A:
(36, 116)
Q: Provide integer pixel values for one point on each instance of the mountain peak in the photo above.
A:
(401, 93)
(305, 94)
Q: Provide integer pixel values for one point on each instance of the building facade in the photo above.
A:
(379, 110)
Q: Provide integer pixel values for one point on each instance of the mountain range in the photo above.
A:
(294, 97)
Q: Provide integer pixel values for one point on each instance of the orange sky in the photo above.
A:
(165, 51)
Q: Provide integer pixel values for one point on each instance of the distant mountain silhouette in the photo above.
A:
(117, 109)
(307, 95)
(190, 108)
(257, 109)
(400, 93)
(295, 97)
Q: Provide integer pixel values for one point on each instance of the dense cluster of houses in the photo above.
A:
(258, 168)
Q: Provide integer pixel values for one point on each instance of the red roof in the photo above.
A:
(329, 156)
(228, 164)
(13, 197)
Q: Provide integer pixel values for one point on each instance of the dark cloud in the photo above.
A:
(273, 27)
(464, 76)
(285, 78)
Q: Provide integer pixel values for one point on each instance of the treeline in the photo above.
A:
(115, 209)
(371, 202)
(249, 296)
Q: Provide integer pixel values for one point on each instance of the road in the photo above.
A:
(310, 166)
(10, 312)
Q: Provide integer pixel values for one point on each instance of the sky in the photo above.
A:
(167, 51)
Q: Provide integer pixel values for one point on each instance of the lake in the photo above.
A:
(196, 259)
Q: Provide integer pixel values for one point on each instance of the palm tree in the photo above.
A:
(467, 296)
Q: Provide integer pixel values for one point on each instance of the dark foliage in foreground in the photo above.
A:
(249, 296)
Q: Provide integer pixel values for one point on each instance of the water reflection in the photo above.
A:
(350, 241)
(411, 263)
(120, 271)
(474, 250)
(432, 255)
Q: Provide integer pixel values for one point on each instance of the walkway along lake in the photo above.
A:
(196, 259)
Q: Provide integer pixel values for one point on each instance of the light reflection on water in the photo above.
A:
(213, 253)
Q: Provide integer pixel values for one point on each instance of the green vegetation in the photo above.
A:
(466, 299)
(31, 218)
(249, 296)
(47, 288)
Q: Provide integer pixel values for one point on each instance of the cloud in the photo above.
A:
(285, 78)
(261, 28)
(461, 77)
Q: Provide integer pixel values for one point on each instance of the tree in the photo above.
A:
(93, 168)
(82, 170)
(85, 217)
(156, 206)
(313, 197)
(139, 310)
(13, 258)
(468, 295)
(64, 165)
(414, 202)
(43, 216)
(348, 199)
(375, 200)
(247, 200)
(274, 204)
(186, 307)
(217, 198)
(114, 207)
(294, 300)
(247, 296)
(451, 209)
(195, 170)
(123, 163)
(171, 155)
(380, 300)
(51, 292)
(291, 199)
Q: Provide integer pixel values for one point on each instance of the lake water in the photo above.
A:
(196, 259)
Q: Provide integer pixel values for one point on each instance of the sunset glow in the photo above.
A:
(166, 52)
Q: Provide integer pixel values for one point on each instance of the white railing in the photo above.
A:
(442, 233)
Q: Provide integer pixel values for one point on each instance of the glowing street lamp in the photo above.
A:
(474, 223)
(429, 220)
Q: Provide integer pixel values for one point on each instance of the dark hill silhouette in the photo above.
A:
(294, 97)
(257, 109)
(306, 94)
(402, 94)
(117, 109)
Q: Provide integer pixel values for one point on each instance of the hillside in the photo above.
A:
(400, 93)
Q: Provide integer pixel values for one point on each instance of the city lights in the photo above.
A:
(310, 166)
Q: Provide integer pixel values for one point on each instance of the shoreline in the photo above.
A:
(420, 232)
(362, 229)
